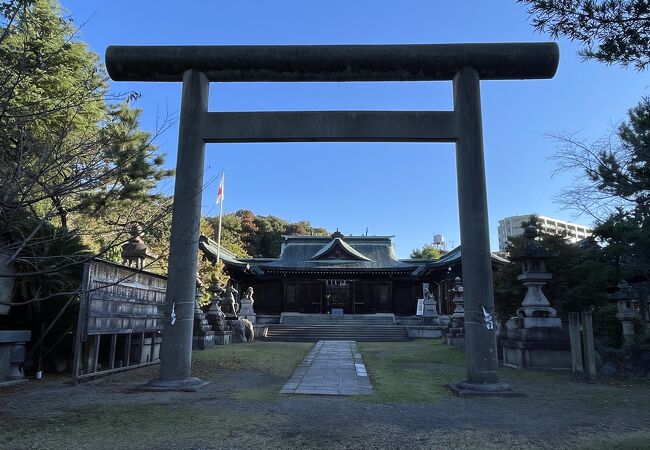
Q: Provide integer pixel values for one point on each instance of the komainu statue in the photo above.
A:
(228, 303)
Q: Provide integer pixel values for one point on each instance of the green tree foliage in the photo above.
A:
(626, 173)
(44, 279)
(268, 240)
(59, 129)
(129, 170)
(427, 251)
(73, 160)
(607, 327)
(616, 190)
(208, 271)
(611, 31)
(249, 235)
(508, 291)
(581, 276)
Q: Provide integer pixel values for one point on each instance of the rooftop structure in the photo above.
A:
(513, 226)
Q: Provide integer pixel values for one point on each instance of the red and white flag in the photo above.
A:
(220, 191)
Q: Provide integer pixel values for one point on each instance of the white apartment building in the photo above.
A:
(511, 226)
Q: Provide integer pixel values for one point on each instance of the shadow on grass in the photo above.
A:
(601, 396)
(419, 371)
(275, 358)
(145, 427)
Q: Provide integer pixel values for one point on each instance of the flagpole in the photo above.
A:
(220, 214)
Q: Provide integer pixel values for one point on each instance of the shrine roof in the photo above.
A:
(210, 249)
(337, 252)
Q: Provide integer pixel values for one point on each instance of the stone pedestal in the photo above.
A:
(625, 300)
(536, 343)
(222, 337)
(12, 355)
(204, 336)
(217, 319)
(454, 334)
(430, 312)
(260, 331)
(246, 310)
(627, 322)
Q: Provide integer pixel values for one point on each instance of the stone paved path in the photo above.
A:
(331, 368)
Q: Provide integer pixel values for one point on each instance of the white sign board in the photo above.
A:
(420, 309)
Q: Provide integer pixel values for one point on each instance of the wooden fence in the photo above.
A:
(121, 316)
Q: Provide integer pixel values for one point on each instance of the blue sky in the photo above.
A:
(408, 190)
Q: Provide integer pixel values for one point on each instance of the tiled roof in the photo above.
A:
(354, 252)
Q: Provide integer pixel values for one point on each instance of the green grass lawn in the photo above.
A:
(242, 407)
(97, 422)
(147, 426)
(279, 359)
(411, 372)
(276, 358)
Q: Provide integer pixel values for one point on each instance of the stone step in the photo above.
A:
(335, 327)
(274, 334)
(337, 338)
(350, 324)
(204, 333)
(351, 319)
(310, 333)
(320, 328)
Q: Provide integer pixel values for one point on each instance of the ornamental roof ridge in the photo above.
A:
(339, 243)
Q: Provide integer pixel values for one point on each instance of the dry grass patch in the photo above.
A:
(276, 358)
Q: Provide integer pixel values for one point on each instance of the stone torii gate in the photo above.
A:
(464, 64)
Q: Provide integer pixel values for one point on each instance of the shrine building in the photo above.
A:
(355, 274)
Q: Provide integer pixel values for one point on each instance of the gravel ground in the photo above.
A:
(243, 409)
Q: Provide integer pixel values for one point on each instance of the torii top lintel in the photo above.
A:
(407, 62)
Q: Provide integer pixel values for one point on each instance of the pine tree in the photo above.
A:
(611, 31)
(72, 156)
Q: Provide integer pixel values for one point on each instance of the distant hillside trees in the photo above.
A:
(249, 235)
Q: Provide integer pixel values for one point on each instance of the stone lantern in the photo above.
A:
(535, 310)
(536, 338)
(216, 289)
(215, 315)
(204, 336)
(135, 251)
(454, 334)
(458, 301)
(624, 298)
